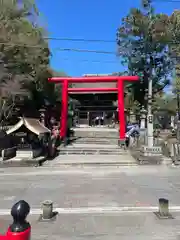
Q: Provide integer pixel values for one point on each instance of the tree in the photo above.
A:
(142, 42)
(174, 47)
(58, 87)
(166, 103)
(131, 104)
(174, 35)
(24, 54)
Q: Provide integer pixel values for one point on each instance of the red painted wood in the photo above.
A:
(64, 110)
(93, 79)
(121, 110)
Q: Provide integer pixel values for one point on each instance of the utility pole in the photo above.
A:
(150, 129)
(177, 83)
(150, 150)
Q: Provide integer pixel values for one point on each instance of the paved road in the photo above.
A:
(122, 226)
(95, 187)
(128, 186)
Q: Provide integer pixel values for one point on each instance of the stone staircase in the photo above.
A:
(93, 146)
(96, 132)
(91, 149)
(96, 140)
(93, 141)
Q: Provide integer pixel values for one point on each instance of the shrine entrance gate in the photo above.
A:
(65, 81)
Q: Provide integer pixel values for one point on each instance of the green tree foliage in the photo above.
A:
(58, 87)
(166, 103)
(24, 54)
(174, 46)
(24, 50)
(174, 34)
(142, 43)
(131, 104)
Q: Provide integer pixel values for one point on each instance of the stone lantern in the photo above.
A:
(132, 117)
(143, 113)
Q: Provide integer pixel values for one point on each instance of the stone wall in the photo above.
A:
(8, 153)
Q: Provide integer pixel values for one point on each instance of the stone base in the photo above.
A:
(151, 151)
(143, 136)
(166, 161)
(8, 153)
(160, 216)
(150, 155)
(53, 218)
(65, 141)
(122, 143)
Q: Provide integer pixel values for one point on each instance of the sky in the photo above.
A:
(88, 19)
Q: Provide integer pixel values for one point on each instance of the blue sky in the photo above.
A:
(88, 19)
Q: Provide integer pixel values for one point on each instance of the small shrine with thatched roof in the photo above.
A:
(31, 135)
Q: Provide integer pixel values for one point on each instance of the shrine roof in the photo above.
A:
(32, 124)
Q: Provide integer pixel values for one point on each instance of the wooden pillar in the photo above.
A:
(64, 110)
(121, 111)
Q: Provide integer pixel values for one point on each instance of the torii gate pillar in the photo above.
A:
(65, 81)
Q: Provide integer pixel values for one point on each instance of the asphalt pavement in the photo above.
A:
(97, 203)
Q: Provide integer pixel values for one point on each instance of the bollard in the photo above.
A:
(47, 208)
(163, 212)
(163, 207)
(20, 229)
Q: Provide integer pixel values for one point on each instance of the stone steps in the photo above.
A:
(92, 160)
(93, 146)
(23, 162)
(89, 152)
(96, 140)
(92, 149)
(96, 133)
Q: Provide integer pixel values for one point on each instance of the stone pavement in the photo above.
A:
(124, 226)
(94, 187)
(90, 187)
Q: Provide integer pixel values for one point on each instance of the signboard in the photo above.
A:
(21, 134)
(150, 118)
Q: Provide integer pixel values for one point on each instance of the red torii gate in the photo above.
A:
(119, 89)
